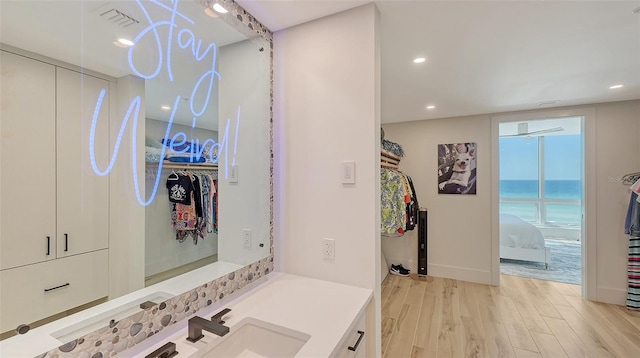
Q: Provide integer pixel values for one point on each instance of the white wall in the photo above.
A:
(326, 80)
(464, 251)
(162, 251)
(616, 128)
(245, 84)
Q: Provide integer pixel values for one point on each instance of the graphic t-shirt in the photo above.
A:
(183, 217)
(180, 188)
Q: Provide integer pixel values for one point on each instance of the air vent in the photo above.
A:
(118, 18)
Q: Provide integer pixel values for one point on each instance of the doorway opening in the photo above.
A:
(542, 198)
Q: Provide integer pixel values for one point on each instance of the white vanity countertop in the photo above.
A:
(324, 310)
(40, 339)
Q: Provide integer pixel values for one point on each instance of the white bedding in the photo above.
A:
(515, 232)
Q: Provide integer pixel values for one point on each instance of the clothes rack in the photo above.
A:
(206, 168)
(185, 166)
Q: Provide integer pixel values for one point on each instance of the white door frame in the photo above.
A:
(589, 261)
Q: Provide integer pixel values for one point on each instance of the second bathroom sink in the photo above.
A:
(255, 338)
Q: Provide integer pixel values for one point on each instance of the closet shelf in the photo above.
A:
(388, 159)
(389, 155)
(185, 166)
(390, 166)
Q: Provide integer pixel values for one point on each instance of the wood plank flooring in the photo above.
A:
(436, 317)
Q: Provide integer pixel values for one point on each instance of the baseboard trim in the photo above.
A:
(459, 273)
(614, 296)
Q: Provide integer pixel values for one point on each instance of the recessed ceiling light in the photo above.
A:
(217, 7)
(431, 106)
(419, 60)
(124, 41)
(616, 86)
(165, 108)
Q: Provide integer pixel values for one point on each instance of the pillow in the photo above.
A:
(150, 142)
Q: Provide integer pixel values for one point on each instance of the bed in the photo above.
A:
(520, 240)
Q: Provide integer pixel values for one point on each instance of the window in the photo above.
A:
(540, 175)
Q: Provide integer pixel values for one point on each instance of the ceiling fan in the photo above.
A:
(523, 131)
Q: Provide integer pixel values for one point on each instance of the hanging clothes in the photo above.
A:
(399, 203)
(412, 207)
(192, 199)
(393, 219)
(632, 227)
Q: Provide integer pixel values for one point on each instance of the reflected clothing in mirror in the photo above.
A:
(197, 217)
(180, 188)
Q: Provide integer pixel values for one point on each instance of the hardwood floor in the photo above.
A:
(436, 317)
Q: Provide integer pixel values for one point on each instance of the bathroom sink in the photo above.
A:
(255, 338)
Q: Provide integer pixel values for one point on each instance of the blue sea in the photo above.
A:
(556, 213)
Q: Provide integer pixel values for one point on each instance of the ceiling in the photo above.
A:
(482, 56)
(490, 56)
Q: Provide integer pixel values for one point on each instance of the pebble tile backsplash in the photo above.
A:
(118, 336)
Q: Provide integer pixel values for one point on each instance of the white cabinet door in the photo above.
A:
(28, 160)
(354, 344)
(83, 195)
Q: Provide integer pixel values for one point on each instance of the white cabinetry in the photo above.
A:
(354, 344)
(28, 161)
(52, 203)
(54, 210)
(33, 292)
(83, 196)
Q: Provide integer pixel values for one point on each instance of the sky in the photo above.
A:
(519, 158)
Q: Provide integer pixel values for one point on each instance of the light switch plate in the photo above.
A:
(233, 176)
(348, 172)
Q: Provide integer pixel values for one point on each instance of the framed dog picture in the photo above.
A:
(457, 168)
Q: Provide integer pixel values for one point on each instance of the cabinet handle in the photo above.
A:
(67, 284)
(48, 245)
(66, 242)
(355, 346)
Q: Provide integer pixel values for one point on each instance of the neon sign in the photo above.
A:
(186, 40)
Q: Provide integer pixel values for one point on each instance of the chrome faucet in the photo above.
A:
(215, 326)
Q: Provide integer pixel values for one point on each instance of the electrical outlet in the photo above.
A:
(329, 249)
(246, 237)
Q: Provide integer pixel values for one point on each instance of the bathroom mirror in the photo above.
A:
(188, 97)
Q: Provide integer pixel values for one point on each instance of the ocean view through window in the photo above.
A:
(561, 201)
(540, 178)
